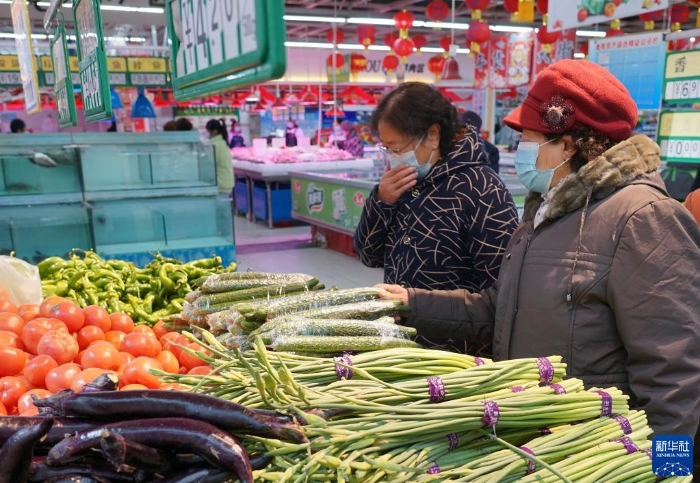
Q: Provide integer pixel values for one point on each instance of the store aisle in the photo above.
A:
(290, 250)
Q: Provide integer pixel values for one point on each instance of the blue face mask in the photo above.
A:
(409, 158)
(534, 179)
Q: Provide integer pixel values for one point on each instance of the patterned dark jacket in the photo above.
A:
(449, 232)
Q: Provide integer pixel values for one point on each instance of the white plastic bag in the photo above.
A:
(20, 280)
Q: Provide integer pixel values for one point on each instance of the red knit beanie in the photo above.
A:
(571, 94)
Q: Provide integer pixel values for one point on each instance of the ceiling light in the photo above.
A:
(589, 33)
(115, 8)
(384, 48)
(310, 45)
(463, 51)
(308, 18)
(579, 55)
(445, 25)
(371, 21)
(432, 50)
(510, 28)
(351, 46)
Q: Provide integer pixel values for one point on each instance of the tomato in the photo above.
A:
(11, 323)
(101, 355)
(11, 389)
(10, 339)
(70, 314)
(122, 322)
(86, 376)
(169, 361)
(200, 370)
(30, 413)
(3, 410)
(97, 316)
(140, 345)
(58, 344)
(125, 358)
(160, 330)
(89, 334)
(190, 361)
(171, 386)
(171, 342)
(133, 387)
(12, 361)
(115, 337)
(49, 303)
(7, 306)
(36, 369)
(61, 377)
(137, 372)
(25, 402)
(28, 312)
(144, 329)
(35, 330)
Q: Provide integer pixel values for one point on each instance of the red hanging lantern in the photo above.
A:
(336, 61)
(543, 8)
(437, 11)
(477, 6)
(650, 17)
(338, 34)
(583, 48)
(403, 48)
(445, 43)
(679, 14)
(696, 4)
(478, 33)
(511, 7)
(435, 65)
(403, 21)
(390, 63)
(678, 45)
(419, 41)
(615, 30)
(389, 40)
(547, 38)
(358, 62)
(366, 34)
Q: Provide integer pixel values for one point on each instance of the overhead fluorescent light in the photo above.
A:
(351, 46)
(114, 8)
(379, 47)
(589, 33)
(445, 25)
(371, 21)
(510, 28)
(309, 45)
(579, 55)
(433, 50)
(309, 18)
(7, 36)
(463, 51)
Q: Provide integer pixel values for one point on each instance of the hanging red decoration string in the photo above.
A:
(358, 62)
(511, 7)
(615, 29)
(336, 61)
(650, 17)
(696, 4)
(543, 9)
(679, 14)
(477, 6)
(403, 21)
(366, 34)
(478, 33)
(390, 63)
(437, 11)
(445, 44)
(435, 65)
(335, 37)
(547, 38)
(403, 48)
(419, 41)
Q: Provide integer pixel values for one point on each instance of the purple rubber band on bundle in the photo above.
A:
(624, 423)
(517, 388)
(436, 389)
(558, 388)
(545, 431)
(491, 414)
(647, 452)
(478, 361)
(343, 372)
(454, 441)
(606, 403)
(434, 470)
(628, 444)
(546, 370)
(531, 465)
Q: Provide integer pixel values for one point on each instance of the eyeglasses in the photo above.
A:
(399, 152)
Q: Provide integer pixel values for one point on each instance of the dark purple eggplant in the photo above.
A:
(121, 405)
(9, 425)
(205, 474)
(76, 479)
(176, 434)
(17, 452)
(41, 473)
(119, 451)
(104, 382)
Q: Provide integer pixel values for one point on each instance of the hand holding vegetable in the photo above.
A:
(393, 292)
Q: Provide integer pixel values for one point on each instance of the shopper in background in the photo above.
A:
(237, 140)
(222, 154)
(440, 217)
(353, 143)
(170, 126)
(692, 202)
(471, 118)
(604, 268)
(183, 124)
(17, 126)
(337, 137)
(112, 127)
(292, 134)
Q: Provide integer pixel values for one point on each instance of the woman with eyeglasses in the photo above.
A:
(440, 217)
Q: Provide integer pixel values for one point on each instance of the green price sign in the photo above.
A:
(218, 45)
(25, 55)
(63, 82)
(679, 136)
(94, 77)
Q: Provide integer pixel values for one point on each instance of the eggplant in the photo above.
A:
(104, 382)
(17, 452)
(217, 447)
(119, 451)
(200, 475)
(121, 405)
(9, 425)
(42, 472)
(76, 479)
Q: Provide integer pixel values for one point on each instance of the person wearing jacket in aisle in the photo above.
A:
(222, 154)
(440, 218)
(604, 268)
(353, 143)
(292, 134)
(471, 118)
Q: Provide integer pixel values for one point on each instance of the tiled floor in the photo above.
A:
(289, 250)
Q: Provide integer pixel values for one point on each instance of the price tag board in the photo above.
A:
(63, 82)
(148, 71)
(25, 54)
(94, 77)
(682, 77)
(219, 45)
(679, 136)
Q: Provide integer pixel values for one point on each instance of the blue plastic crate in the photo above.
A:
(281, 203)
(240, 193)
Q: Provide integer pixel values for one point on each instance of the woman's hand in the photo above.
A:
(393, 292)
(396, 182)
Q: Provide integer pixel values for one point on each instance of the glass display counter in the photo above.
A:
(123, 195)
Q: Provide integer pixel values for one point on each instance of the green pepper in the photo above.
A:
(75, 278)
(148, 303)
(212, 262)
(177, 304)
(50, 266)
(168, 284)
(91, 296)
(48, 290)
(62, 288)
(120, 265)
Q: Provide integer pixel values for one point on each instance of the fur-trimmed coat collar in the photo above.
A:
(617, 167)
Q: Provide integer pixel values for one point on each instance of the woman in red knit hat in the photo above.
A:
(604, 269)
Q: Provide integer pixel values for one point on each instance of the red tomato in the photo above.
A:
(10, 339)
(58, 344)
(11, 389)
(133, 387)
(89, 334)
(25, 402)
(160, 329)
(35, 330)
(137, 372)
(171, 386)
(200, 370)
(11, 323)
(169, 361)
(70, 314)
(125, 358)
(61, 377)
(101, 355)
(97, 316)
(190, 361)
(85, 377)
(139, 345)
(115, 337)
(7, 306)
(3, 410)
(122, 322)
(49, 303)
(172, 342)
(144, 329)
(12, 361)
(28, 311)
(30, 413)
(36, 369)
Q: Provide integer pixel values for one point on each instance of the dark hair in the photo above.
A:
(217, 126)
(413, 107)
(169, 126)
(589, 145)
(183, 124)
(17, 125)
(471, 118)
